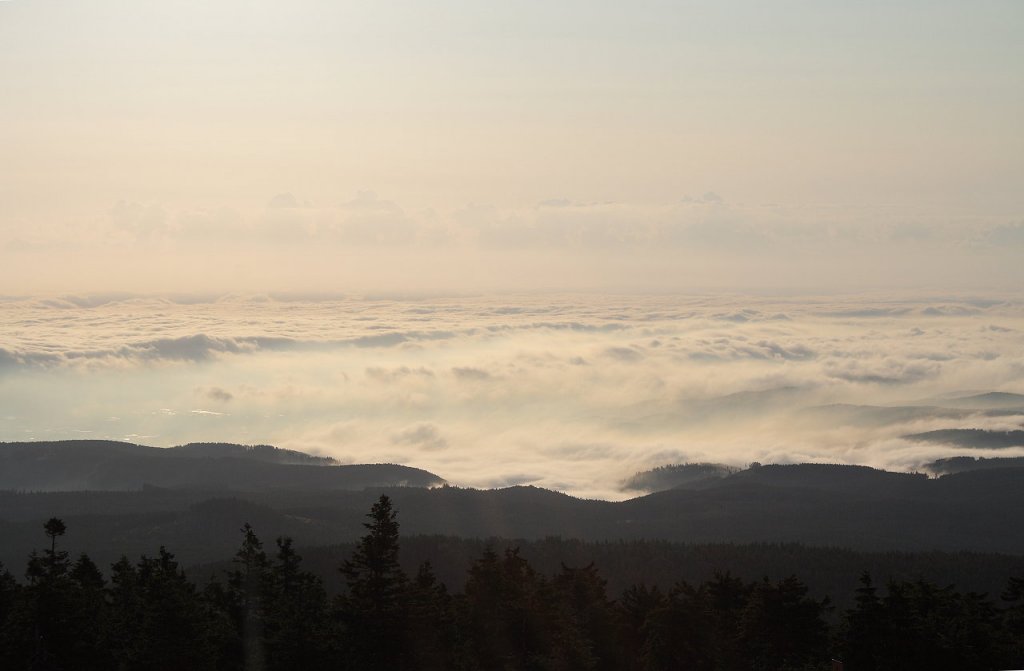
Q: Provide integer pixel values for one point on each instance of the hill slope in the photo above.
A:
(77, 465)
(821, 505)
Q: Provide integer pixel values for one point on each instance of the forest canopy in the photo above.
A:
(268, 611)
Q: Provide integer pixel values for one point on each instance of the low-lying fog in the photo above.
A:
(573, 393)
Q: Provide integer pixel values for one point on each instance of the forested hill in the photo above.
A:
(81, 465)
(547, 605)
(672, 476)
(814, 504)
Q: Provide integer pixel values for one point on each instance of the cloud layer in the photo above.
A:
(574, 392)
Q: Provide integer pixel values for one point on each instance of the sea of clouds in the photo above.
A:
(571, 392)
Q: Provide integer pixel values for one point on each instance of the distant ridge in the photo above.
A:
(951, 465)
(814, 504)
(992, 399)
(269, 453)
(674, 476)
(833, 477)
(131, 494)
(843, 414)
(974, 438)
(84, 465)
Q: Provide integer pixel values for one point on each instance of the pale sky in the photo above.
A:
(456, 145)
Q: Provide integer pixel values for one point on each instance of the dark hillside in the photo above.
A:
(828, 571)
(833, 477)
(107, 465)
(959, 464)
(848, 507)
(269, 453)
(676, 475)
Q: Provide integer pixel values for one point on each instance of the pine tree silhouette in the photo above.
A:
(373, 611)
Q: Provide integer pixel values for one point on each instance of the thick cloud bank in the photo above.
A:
(572, 392)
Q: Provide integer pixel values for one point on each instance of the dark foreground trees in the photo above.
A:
(267, 612)
(374, 611)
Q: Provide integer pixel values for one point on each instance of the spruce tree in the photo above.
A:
(246, 585)
(295, 623)
(373, 609)
(431, 621)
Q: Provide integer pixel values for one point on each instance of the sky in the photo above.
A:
(458, 146)
(544, 243)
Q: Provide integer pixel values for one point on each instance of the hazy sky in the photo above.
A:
(455, 145)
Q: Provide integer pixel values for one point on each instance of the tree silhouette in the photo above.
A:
(431, 622)
(373, 573)
(56, 622)
(296, 629)
(54, 527)
(508, 615)
(175, 618)
(679, 633)
(587, 623)
(920, 625)
(636, 609)
(245, 584)
(1013, 617)
(55, 563)
(373, 610)
(782, 628)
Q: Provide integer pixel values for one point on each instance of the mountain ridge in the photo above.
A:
(114, 465)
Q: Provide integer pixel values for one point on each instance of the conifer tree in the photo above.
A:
(123, 628)
(782, 628)
(295, 623)
(374, 577)
(173, 628)
(636, 609)
(508, 614)
(678, 634)
(588, 628)
(1013, 617)
(431, 622)
(54, 562)
(56, 621)
(246, 585)
(373, 609)
(8, 592)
